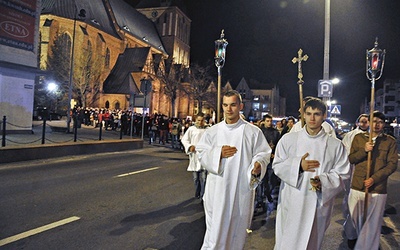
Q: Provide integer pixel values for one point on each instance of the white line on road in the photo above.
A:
(37, 230)
(136, 172)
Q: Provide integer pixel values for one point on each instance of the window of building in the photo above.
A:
(390, 98)
(389, 109)
(84, 30)
(107, 58)
(66, 42)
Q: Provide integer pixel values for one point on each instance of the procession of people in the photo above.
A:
(241, 169)
(295, 170)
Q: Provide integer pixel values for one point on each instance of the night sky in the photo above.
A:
(264, 36)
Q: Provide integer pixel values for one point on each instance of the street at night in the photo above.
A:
(140, 199)
(98, 98)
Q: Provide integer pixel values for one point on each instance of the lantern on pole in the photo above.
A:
(220, 51)
(375, 61)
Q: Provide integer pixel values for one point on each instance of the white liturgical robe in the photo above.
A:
(303, 215)
(229, 193)
(191, 138)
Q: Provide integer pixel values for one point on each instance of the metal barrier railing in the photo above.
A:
(43, 139)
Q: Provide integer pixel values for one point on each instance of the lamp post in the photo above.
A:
(82, 14)
(132, 113)
(375, 59)
(220, 50)
(145, 87)
(327, 38)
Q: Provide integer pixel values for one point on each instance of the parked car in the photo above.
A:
(41, 112)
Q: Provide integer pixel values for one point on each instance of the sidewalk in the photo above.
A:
(57, 143)
(56, 134)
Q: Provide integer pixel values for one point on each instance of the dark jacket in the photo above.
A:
(272, 135)
(383, 163)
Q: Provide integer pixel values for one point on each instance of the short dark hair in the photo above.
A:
(315, 103)
(232, 92)
(267, 116)
(379, 115)
(200, 114)
(291, 118)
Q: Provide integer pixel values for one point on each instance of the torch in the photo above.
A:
(374, 68)
(220, 51)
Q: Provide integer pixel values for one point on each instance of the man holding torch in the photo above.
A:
(383, 163)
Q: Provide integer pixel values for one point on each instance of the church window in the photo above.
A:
(107, 58)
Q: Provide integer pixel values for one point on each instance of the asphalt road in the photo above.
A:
(141, 199)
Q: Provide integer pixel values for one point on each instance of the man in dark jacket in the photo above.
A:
(270, 184)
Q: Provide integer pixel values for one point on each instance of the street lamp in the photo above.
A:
(335, 80)
(220, 51)
(82, 14)
(52, 88)
(145, 87)
(327, 38)
(375, 59)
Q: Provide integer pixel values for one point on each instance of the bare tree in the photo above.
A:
(199, 86)
(171, 77)
(87, 74)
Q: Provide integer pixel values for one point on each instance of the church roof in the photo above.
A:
(120, 80)
(158, 3)
(98, 16)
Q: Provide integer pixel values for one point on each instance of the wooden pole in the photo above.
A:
(301, 104)
(369, 159)
(218, 119)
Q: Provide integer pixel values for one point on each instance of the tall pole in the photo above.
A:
(326, 42)
(144, 106)
(220, 51)
(71, 72)
(327, 38)
(219, 96)
(132, 113)
(375, 59)
(145, 87)
(82, 14)
(369, 159)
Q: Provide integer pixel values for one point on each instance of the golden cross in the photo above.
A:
(300, 81)
(299, 60)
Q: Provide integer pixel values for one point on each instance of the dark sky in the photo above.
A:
(264, 36)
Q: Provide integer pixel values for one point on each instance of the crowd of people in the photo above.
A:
(296, 168)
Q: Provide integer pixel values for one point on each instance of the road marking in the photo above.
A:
(38, 230)
(136, 172)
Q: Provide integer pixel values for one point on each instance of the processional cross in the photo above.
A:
(300, 82)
